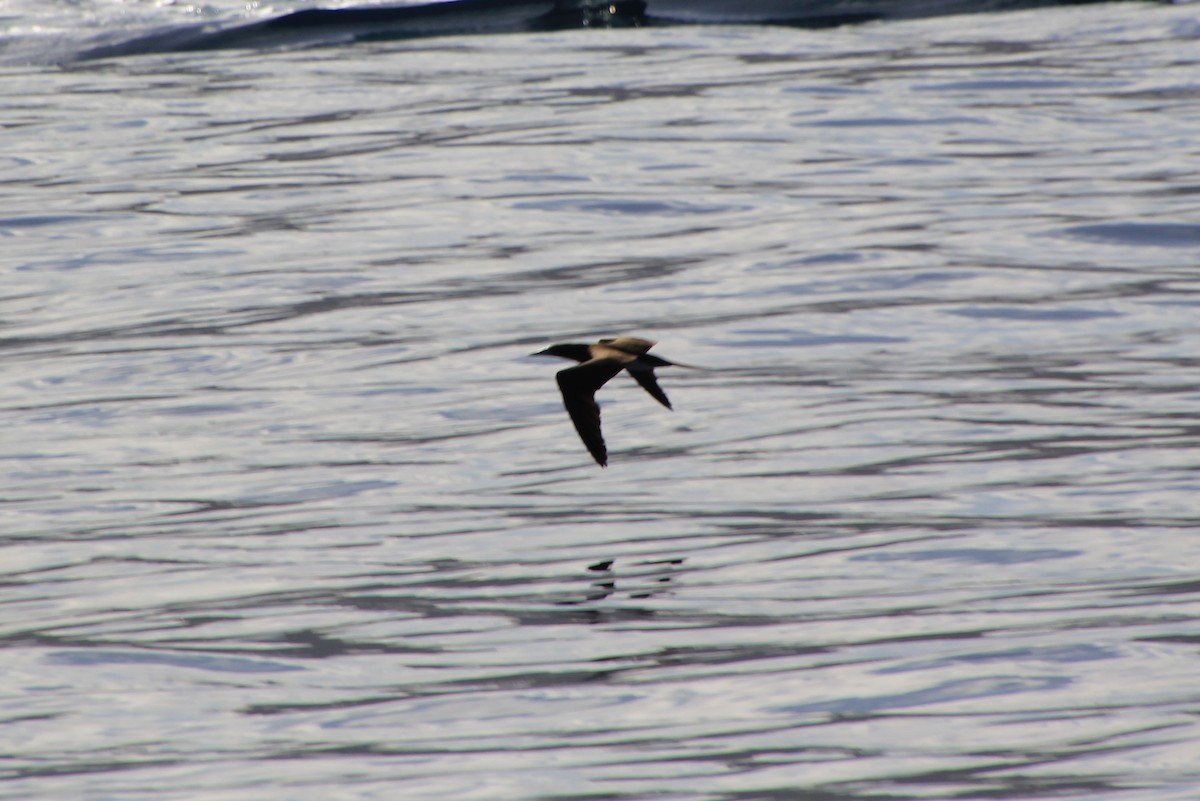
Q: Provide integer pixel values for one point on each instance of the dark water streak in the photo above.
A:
(328, 26)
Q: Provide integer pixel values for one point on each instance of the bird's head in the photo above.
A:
(568, 350)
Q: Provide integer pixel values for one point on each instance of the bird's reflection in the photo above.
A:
(640, 580)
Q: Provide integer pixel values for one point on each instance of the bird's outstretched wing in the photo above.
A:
(578, 385)
(645, 376)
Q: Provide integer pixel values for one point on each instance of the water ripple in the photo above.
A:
(285, 495)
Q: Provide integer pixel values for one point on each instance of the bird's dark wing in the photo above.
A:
(631, 345)
(645, 376)
(579, 385)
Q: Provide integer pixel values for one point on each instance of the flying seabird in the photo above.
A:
(597, 364)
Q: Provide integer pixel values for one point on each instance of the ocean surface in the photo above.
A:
(288, 512)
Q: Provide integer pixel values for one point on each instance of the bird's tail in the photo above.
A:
(688, 366)
(656, 361)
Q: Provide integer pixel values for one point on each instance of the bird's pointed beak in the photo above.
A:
(541, 353)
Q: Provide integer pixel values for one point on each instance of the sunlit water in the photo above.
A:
(288, 513)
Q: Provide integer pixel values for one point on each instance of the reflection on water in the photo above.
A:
(286, 505)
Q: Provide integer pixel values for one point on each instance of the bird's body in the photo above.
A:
(597, 364)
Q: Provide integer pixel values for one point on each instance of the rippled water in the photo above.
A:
(288, 513)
